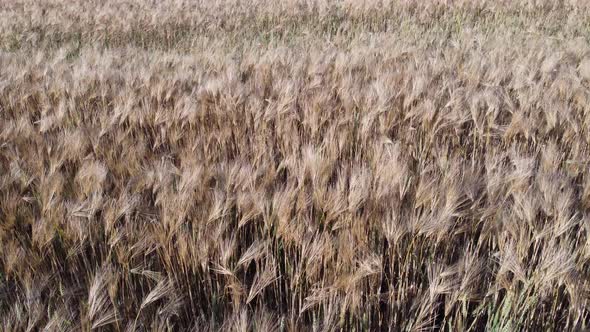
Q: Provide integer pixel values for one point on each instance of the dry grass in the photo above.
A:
(294, 165)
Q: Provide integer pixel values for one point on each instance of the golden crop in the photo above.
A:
(294, 165)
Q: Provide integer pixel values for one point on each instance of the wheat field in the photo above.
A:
(294, 165)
